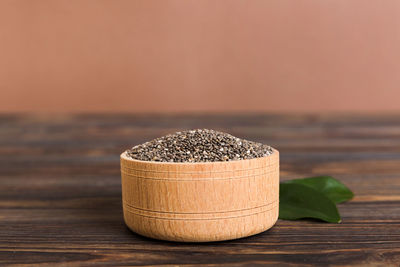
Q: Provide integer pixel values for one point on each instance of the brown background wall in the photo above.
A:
(170, 55)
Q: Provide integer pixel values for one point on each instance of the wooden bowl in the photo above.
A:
(200, 202)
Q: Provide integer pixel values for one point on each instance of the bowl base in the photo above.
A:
(201, 230)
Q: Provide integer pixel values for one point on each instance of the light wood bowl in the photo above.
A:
(200, 202)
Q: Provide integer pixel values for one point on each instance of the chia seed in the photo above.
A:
(199, 145)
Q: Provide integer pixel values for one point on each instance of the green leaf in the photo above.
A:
(327, 185)
(297, 201)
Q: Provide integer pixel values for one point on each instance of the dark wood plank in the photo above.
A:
(60, 195)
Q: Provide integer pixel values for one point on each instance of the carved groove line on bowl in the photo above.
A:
(206, 212)
(196, 172)
(200, 216)
(130, 175)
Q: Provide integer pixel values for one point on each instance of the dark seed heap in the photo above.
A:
(198, 146)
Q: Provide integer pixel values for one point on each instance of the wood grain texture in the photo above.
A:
(200, 202)
(60, 191)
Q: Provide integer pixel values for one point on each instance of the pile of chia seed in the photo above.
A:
(200, 145)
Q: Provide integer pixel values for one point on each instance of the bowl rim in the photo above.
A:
(124, 156)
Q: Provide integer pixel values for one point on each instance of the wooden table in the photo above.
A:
(60, 190)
